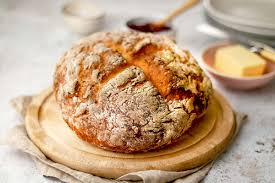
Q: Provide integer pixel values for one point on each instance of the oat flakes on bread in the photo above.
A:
(130, 92)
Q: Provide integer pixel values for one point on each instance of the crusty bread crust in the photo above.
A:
(130, 92)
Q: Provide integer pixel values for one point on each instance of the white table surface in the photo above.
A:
(32, 38)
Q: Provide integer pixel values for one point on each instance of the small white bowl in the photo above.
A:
(83, 17)
(170, 32)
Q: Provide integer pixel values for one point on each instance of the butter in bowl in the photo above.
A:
(237, 67)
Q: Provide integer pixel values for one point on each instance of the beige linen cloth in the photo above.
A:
(18, 138)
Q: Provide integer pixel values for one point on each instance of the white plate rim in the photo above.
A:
(236, 20)
(244, 28)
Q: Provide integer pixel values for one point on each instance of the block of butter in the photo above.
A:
(237, 60)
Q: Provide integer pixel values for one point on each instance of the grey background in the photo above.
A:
(32, 38)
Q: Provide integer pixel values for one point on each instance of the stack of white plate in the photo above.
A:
(249, 16)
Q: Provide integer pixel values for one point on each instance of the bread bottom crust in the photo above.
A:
(93, 141)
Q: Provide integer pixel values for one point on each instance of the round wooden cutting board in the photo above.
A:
(204, 141)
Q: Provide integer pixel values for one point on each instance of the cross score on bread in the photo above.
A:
(130, 92)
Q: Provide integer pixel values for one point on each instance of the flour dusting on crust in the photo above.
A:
(130, 92)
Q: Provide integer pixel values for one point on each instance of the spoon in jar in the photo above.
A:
(159, 25)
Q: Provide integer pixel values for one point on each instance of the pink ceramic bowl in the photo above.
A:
(241, 83)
